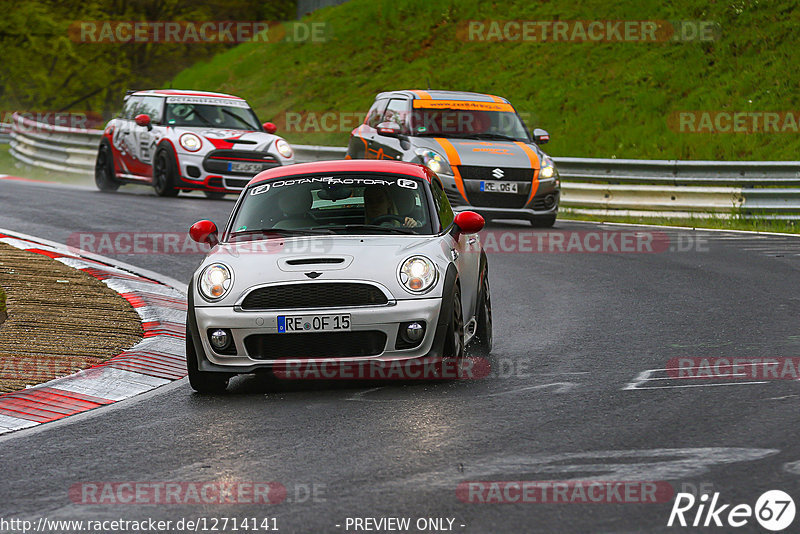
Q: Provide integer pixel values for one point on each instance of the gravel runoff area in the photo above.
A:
(59, 320)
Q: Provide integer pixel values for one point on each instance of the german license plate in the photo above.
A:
(238, 166)
(313, 323)
(499, 187)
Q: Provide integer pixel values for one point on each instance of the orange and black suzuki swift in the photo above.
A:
(477, 144)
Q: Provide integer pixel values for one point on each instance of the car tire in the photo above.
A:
(165, 174)
(454, 339)
(214, 195)
(482, 344)
(202, 381)
(544, 221)
(104, 175)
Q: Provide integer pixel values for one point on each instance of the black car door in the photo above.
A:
(364, 136)
(391, 146)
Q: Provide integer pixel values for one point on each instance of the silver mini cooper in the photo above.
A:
(337, 262)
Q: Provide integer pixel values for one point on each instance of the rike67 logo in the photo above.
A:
(774, 510)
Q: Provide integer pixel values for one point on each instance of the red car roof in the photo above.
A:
(345, 165)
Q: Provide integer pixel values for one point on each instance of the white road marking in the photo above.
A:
(563, 387)
(647, 376)
(636, 464)
(792, 467)
(359, 396)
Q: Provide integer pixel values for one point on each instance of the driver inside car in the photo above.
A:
(380, 209)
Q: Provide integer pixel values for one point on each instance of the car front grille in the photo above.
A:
(316, 345)
(510, 174)
(217, 161)
(497, 200)
(236, 184)
(314, 295)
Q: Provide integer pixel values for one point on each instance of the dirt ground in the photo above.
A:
(59, 320)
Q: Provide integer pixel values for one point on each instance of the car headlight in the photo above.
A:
(284, 148)
(548, 169)
(418, 274)
(434, 161)
(191, 142)
(215, 281)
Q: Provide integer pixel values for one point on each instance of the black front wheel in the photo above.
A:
(482, 344)
(454, 340)
(165, 174)
(104, 175)
(202, 381)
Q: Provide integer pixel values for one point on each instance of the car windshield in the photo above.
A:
(340, 204)
(211, 115)
(473, 120)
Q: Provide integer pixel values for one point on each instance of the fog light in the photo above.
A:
(220, 339)
(549, 201)
(414, 332)
(409, 335)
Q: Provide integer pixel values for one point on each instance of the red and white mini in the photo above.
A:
(178, 140)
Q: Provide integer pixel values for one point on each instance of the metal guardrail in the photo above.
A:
(681, 189)
(55, 148)
(5, 133)
(673, 188)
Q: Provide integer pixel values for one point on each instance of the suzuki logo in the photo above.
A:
(498, 173)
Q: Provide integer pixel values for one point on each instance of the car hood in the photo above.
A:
(231, 139)
(484, 153)
(368, 258)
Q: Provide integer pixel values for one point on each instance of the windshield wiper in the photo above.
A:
(282, 232)
(238, 118)
(372, 228)
(470, 136)
(494, 136)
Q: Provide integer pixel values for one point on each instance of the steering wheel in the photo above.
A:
(388, 218)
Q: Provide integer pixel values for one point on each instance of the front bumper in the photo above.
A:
(242, 324)
(509, 205)
(210, 171)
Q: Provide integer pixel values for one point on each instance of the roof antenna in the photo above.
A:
(428, 80)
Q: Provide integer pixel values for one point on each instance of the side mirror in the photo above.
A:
(389, 129)
(469, 222)
(143, 120)
(540, 137)
(270, 127)
(204, 232)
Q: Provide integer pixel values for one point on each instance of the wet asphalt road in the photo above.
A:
(575, 393)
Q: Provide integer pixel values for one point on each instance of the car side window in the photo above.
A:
(151, 105)
(375, 113)
(129, 109)
(397, 112)
(443, 208)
